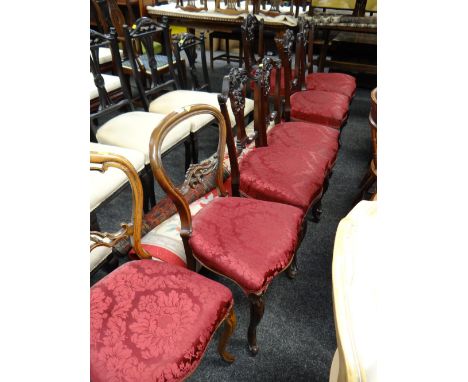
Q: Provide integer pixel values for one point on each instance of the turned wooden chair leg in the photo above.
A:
(93, 222)
(149, 197)
(230, 324)
(194, 147)
(211, 50)
(188, 153)
(257, 308)
(228, 57)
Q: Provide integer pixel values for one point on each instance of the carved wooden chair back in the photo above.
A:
(293, 79)
(103, 162)
(142, 36)
(188, 43)
(234, 89)
(252, 36)
(197, 173)
(233, 7)
(360, 8)
(192, 5)
(106, 105)
(307, 28)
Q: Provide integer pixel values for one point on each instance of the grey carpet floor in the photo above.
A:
(296, 335)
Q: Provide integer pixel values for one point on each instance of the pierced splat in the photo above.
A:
(232, 7)
(192, 6)
(275, 9)
(252, 32)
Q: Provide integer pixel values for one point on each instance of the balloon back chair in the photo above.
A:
(151, 320)
(229, 235)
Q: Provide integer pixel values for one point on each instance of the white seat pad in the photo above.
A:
(111, 83)
(105, 55)
(104, 184)
(97, 256)
(178, 98)
(133, 130)
(164, 243)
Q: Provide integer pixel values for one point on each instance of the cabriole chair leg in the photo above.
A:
(188, 152)
(229, 326)
(257, 308)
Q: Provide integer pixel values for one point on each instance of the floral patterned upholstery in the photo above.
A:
(152, 321)
(293, 177)
(308, 137)
(249, 241)
(332, 82)
(316, 106)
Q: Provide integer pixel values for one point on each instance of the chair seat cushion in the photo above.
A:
(152, 321)
(97, 256)
(249, 241)
(164, 243)
(332, 82)
(316, 106)
(133, 130)
(173, 100)
(283, 175)
(111, 83)
(104, 184)
(306, 136)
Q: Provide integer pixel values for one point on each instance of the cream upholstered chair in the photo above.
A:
(104, 185)
(131, 129)
(159, 318)
(355, 296)
(144, 33)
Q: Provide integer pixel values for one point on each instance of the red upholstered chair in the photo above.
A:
(229, 235)
(323, 107)
(278, 172)
(340, 83)
(151, 321)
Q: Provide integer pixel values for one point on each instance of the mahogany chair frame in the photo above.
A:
(102, 162)
(196, 175)
(108, 106)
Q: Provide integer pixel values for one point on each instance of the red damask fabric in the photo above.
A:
(309, 137)
(326, 108)
(152, 321)
(332, 82)
(249, 241)
(282, 175)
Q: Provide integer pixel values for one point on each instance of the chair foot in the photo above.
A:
(317, 211)
(292, 269)
(229, 326)
(257, 308)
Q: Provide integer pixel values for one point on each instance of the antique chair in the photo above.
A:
(229, 235)
(316, 106)
(130, 129)
(189, 43)
(371, 176)
(355, 296)
(151, 320)
(233, 7)
(330, 82)
(278, 172)
(103, 187)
